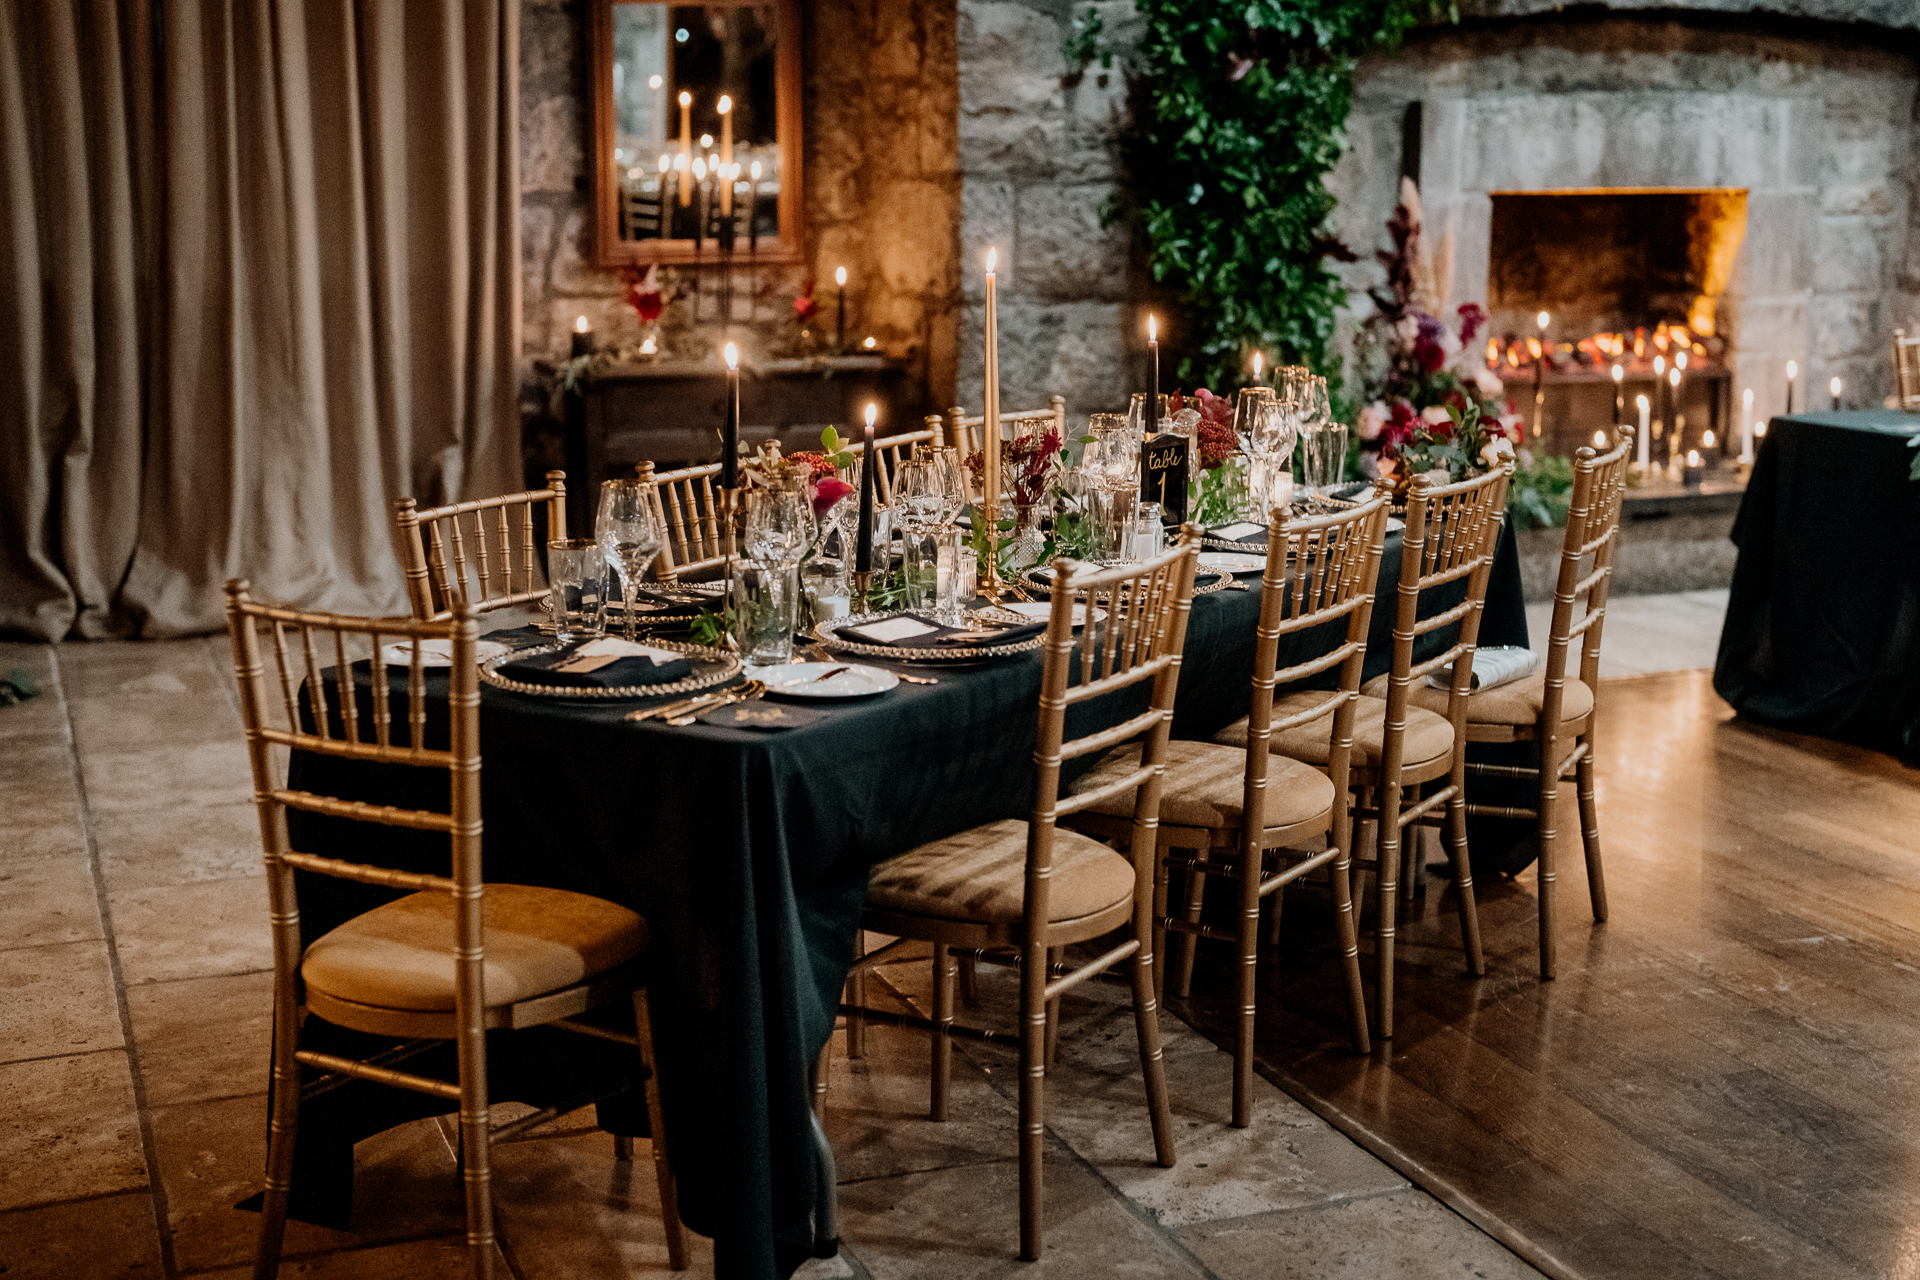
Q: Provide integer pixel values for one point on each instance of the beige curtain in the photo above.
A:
(259, 276)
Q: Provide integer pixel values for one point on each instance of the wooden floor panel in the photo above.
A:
(1724, 1080)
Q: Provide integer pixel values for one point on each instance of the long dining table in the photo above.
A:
(748, 854)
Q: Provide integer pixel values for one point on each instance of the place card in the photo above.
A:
(890, 630)
(1238, 532)
(1163, 476)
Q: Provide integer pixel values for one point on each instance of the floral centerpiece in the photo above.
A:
(1428, 408)
(1028, 466)
(1219, 494)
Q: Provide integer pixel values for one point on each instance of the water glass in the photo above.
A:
(780, 523)
(577, 578)
(765, 597)
(630, 537)
(1325, 460)
(1113, 511)
(823, 584)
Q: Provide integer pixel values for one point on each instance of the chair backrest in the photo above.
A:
(1141, 639)
(687, 505)
(468, 552)
(965, 432)
(894, 450)
(321, 708)
(1452, 533)
(1593, 529)
(1906, 369)
(1319, 571)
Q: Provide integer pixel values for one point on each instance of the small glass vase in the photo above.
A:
(1027, 538)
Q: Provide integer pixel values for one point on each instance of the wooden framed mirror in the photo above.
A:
(696, 131)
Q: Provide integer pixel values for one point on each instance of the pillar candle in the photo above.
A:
(1619, 395)
(1643, 449)
(1153, 385)
(730, 424)
(686, 145)
(869, 463)
(753, 208)
(726, 155)
(990, 427)
(582, 338)
(1679, 425)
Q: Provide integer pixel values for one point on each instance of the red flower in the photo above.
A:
(1429, 353)
(828, 491)
(643, 292)
(1217, 442)
(1472, 316)
(803, 304)
(818, 463)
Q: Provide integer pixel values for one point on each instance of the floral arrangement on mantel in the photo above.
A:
(1426, 411)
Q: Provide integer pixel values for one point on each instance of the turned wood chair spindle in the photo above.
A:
(486, 552)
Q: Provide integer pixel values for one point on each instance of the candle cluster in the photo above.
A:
(1634, 352)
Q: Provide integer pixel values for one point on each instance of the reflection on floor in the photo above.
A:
(133, 1038)
(1647, 634)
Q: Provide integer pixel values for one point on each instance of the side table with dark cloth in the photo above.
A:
(748, 854)
(1822, 633)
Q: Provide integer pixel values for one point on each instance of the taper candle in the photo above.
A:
(990, 424)
(840, 297)
(582, 338)
(1793, 371)
(730, 423)
(869, 463)
(1642, 448)
(1679, 425)
(1153, 385)
(1539, 373)
(1619, 394)
(1834, 388)
(1746, 425)
(725, 107)
(686, 146)
(1257, 362)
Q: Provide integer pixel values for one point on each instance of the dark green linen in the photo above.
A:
(748, 853)
(1822, 633)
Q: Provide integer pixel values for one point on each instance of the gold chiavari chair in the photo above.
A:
(966, 432)
(1551, 708)
(1239, 807)
(687, 505)
(450, 957)
(1451, 534)
(468, 551)
(1033, 888)
(894, 450)
(1906, 370)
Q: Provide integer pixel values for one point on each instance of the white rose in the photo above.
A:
(1408, 329)
(1373, 420)
(1438, 476)
(1496, 452)
(1436, 415)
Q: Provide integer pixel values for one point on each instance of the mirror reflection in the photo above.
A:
(696, 144)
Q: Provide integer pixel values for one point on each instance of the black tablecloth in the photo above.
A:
(748, 853)
(1822, 633)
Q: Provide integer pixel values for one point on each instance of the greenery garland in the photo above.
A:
(1238, 119)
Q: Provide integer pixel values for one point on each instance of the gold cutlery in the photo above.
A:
(699, 702)
(747, 692)
(901, 675)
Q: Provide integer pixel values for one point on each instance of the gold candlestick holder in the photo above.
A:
(992, 585)
(731, 511)
(862, 590)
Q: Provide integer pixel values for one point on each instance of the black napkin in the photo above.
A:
(945, 638)
(621, 671)
(768, 717)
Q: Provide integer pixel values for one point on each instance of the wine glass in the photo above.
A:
(918, 497)
(780, 523)
(631, 537)
(952, 481)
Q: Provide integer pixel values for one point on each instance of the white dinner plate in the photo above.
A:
(1232, 562)
(1041, 611)
(438, 653)
(802, 680)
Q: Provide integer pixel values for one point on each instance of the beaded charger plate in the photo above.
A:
(710, 667)
(1038, 580)
(826, 633)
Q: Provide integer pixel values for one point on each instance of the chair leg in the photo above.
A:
(1590, 834)
(1386, 904)
(1458, 858)
(969, 981)
(857, 999)
(1347, 931)
(657, 1126)
(476, 1131)
(942, 1035)
(622, 1149)
(1056, 956)
(1185, 943)
(1146, 1027)
(1548, 875)
(282, 1131)
(1277, 901)
(1160, 875)
(1033, 1096)
(1247, 942)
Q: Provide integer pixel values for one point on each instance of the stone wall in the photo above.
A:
(1037, 152)
(1820, 130)
(882, 190)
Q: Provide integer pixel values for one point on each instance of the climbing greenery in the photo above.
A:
(1239, 115)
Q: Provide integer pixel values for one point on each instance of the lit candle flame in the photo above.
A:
(1153, 329)
(699, 170)
(654, 82)
(1759, 428)
(840, 277)
(686, 99)
(755, 170)
(1600, 439)
(1793, 371)
(1673, 377)
(724, 105)
(1834, 386)
(873, 414)
(706, 141)
(1693, 457)
(680, 162)
(1746, 398)
(666, 163)
(1680, 358)
(1706, 439)
(1659, 366)
(1619, 374)
(1256, 366)
(581, 326)
(1543, 319)
(1641, 403)
(993, 259)
(733, 356)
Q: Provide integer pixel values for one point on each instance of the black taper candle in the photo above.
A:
(730, 424)
(1153, 383)
(863, 542)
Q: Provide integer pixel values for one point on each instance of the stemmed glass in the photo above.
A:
(918, 498)
(780, 524)
(631, 539)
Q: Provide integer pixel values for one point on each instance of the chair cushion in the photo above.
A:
(1515, 703)
(1428, 736)
(982, 875)
(400, 955)
(1206, 785)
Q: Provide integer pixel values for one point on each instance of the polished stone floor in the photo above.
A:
(133, 1023)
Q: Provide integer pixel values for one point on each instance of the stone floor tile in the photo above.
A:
(57, 1000)
(440, 1259)
(877, 1110)
(162, 709)
(568, 1208)
(212, 1155)
(43, 714)
(68, 1130)
(1403, 1236)
(192, 930)
(151, 780)
(44, 901)
(182, 846)
(38, 787)
(109, 1239)
(202, 1038)
(962, 1224)
(50, 839)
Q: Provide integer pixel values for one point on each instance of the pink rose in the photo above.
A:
(827, 492)
(1373, 420)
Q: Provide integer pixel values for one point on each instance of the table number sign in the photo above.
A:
(1163, 476)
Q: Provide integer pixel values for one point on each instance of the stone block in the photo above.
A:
(1848, 326)
(1776, 257)
(1064, 254)
(536, 250)
(1866, 200)
(1012, 113)
(1848, 258)
(986, 221)
(1089, 365)
(917, 244)
(552, 49)
(552, 144)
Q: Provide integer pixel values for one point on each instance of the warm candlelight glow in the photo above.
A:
(706, 141)
(1706, 440)
(724, 105)
(1641, 403)
(1746, 399)
(1834, 386)
(732, 354)
(1760, 428)
(1256, 366)
(686, 99)
(1659, 366)
(1599, 439)
(699, 170)
(1793, 371)
(1543, 319)
(581, 326)
(1693, 457)
(646, 347)
(1673, 377)
(753, 170)
(873, 414)
(993, 257)
(666, 162)
(1153, 329)
(1533, 347)
(869, 344)
(840, 276)
(1680, 358)
(654, 82)
(1619, 373)
(680, 162)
